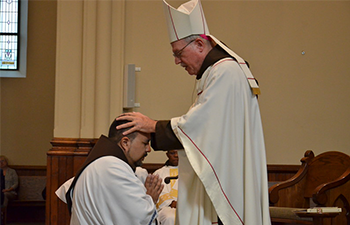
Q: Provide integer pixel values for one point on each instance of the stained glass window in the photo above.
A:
(9, 34)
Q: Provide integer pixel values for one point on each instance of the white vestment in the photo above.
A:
(108, 192)
(141, 173)
(166, 214)
(222, 169)
(62, 190)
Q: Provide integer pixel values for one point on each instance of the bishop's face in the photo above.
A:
(188, 55)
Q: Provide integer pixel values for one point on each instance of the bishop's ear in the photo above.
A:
(200, 44)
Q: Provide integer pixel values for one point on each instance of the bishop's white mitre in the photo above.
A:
(188, 19)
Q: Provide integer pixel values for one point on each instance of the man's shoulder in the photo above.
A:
(11, 171)
(161, 170)
(165, 168)
(109, 164)
(108, 170)
(227, 66)
(226, 63)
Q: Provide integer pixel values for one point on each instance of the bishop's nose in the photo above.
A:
(177, 60)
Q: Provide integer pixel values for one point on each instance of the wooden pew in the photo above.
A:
(322, 181)
(30, 204)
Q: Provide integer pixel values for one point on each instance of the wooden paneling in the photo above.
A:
(63, 161)
(281, 172)
(29, 170)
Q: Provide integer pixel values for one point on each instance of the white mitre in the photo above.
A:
(188, 19)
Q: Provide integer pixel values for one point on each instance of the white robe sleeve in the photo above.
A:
(62, 190)
(141, 173)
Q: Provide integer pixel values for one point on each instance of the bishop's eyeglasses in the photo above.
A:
(178, 53)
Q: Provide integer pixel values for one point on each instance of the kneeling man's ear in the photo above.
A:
(125, 143)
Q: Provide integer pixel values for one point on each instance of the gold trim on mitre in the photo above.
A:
(188, 19)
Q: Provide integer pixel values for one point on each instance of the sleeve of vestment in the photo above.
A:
(164, 137)
(62, 190)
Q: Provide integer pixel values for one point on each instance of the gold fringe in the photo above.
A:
(256, 91)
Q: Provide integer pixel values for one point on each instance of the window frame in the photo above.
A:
(22, 45)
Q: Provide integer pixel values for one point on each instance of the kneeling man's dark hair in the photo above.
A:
(117, 135)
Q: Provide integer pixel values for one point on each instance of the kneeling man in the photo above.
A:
(106, 191)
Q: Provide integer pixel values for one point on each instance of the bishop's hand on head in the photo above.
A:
(139, 122)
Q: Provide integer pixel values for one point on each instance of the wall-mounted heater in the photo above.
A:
(130, 86)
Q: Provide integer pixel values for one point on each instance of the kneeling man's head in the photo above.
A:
(135, 145)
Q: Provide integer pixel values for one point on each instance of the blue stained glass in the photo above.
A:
(9, 53)
(9, 21)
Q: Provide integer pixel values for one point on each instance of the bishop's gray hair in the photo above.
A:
(194, 37)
